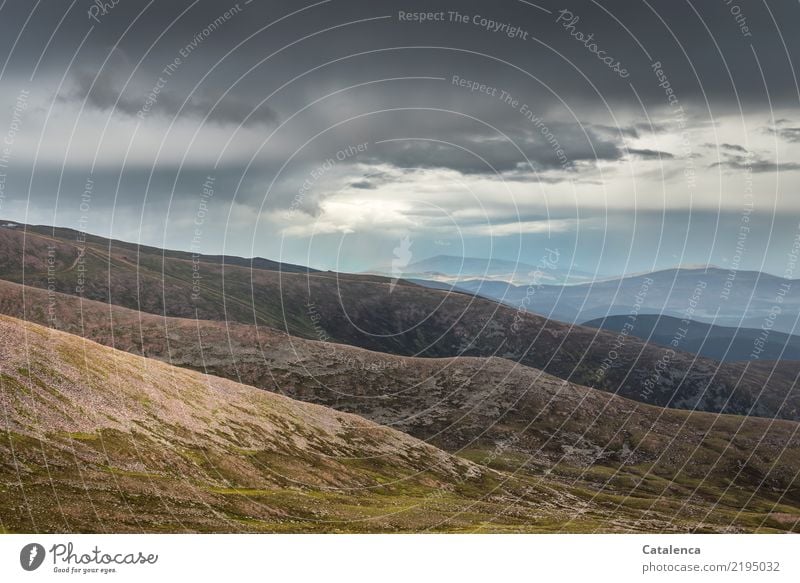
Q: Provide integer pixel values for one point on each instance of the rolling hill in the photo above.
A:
(501, 415)
(404, 320)
(100, 440)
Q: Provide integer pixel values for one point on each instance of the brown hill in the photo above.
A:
(100, 440)
(368, 312)
(492, 411)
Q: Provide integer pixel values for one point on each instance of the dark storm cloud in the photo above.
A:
(714, 62)
(636, 33)
(107, 91)
(562, 147)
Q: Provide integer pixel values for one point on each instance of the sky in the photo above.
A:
(629, 136)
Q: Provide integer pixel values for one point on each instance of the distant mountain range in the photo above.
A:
(747, 299)
(451, 268)
(721, 343)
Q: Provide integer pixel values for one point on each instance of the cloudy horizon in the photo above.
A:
(325, 133)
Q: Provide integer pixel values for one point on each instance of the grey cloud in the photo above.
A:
(648, 154)
(725, 146)
(634, 130)
(363, 185)
(733, 147)
(553, 74)
(627, 131)
(483, 151)
(651, 127)
(754, 163)
(561, 68)
(104, 91)
(790, 134)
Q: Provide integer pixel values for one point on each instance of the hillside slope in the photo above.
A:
(496, 413)
(405, 320)
(99, 440)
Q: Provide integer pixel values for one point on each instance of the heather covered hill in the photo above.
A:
(96, 439)
(496, 413)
